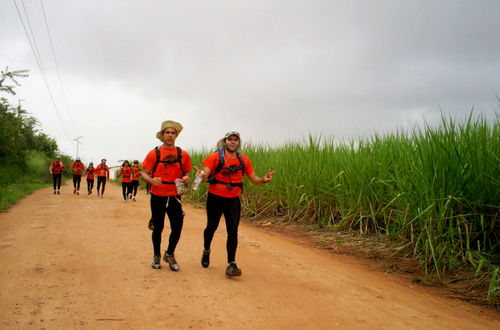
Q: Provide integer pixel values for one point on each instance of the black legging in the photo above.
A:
(173, 208)
(57, 180)
(231, 208)
(76, 181)
(126, 189)
(90, 185)
(135, 184)
(101, 180)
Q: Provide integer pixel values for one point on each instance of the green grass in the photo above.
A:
(434, 190)
(17, 183)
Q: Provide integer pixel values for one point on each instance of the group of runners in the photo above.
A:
(79, 169)
(166, 171)
(168, 165)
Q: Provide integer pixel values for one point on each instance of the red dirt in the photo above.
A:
(83, 262)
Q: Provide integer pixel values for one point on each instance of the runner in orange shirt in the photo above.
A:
(89, 173)
(102, 172)
(78, 168)
(161, 168)
(224, 170)
(136, 173)
(126, 172)
(56, 168)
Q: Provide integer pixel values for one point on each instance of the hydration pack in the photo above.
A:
(220, 166)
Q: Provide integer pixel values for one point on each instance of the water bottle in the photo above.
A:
(197, 180)
(179, 184)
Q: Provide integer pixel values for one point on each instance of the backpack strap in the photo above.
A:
(220, 165)
(179, 159)
(242, 163)
(158, 155)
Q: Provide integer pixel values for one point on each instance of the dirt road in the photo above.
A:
(82, 262)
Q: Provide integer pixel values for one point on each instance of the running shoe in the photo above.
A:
(78, 193)
(54, 192)
(74, 191)
(124, 200)
(232, 270)
(171, 261)
(58, 192)
(133, 198)
(156, 262)
(102, 196)
(205, 259)
(151, 224)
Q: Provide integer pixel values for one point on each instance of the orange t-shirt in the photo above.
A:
(167, 172)
(57, 167)
(102, 170)
(77, 168)
(136, 171)
(126, 173)
(226, 175)
(90, 173)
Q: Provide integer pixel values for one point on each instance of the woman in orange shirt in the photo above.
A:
(102, 172)
(56, 169)
(78, 168)
(89, 172)
(126, 173)
(136, 173)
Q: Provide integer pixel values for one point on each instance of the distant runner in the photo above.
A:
(224, 170)
(78, 168)
(89, 173)
(161, 167)
(56, 168)
(126, 172)
(136, 173)
(102, 172)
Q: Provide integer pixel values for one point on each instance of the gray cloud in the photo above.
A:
(275, 70)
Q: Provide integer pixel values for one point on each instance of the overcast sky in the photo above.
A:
(275, 71)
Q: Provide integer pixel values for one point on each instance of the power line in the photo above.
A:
(32, 36)
(57, 67)
(39, 62)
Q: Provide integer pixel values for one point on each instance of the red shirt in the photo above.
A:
(57, 167)
(90, 173)
(102, 170)
(167, 172)
(136, 172)
(77, 168)
(126, 173)
(226, 175)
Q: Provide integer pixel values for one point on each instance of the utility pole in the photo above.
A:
(77, 144)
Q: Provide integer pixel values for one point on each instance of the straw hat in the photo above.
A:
(221, 143)
(169, 123)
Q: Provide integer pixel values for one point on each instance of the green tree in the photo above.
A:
(19, 134)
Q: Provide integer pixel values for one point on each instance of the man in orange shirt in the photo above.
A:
(78, 168)
(161, 168)
(89, 172)
(136, 173)
(102, 172)
(56, 169)
(126, 172)
(224, 170)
